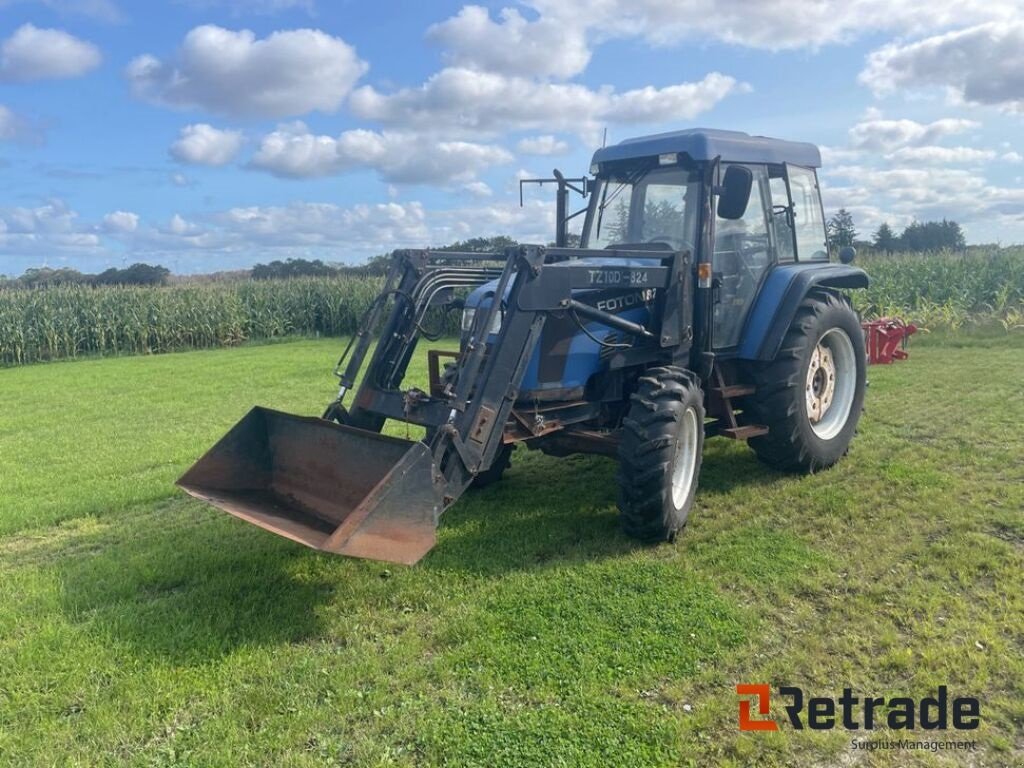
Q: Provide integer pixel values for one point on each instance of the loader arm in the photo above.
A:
(345, 488)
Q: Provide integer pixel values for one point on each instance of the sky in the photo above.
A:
(214, 134)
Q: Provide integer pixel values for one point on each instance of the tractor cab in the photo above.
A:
(657, 194)
(660, 191)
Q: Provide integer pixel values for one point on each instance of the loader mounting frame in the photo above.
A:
(468, 426)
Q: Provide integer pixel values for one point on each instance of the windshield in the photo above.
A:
(659, 206)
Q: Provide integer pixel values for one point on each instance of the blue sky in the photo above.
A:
(212, 134)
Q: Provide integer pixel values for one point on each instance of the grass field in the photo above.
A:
(140, 627)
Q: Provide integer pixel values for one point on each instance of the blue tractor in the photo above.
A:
(700, 301)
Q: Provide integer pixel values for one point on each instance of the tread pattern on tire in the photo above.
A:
(647, 450)
(780, 385)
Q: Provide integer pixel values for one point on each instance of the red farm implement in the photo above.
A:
(886, 340)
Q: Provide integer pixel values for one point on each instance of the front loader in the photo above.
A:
(701, 302)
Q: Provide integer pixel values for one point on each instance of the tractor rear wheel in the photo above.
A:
(660, 454)
(811, 395)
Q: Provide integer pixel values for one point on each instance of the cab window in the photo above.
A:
(785, 239)
(659, 206)
(808, 218)
(742, 255)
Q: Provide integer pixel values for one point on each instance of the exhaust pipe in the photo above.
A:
(334, 488)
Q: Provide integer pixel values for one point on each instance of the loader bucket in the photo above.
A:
(330, 487)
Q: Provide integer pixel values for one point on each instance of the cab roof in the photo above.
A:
(704, 144)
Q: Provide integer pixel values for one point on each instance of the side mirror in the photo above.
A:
(847, 254)
(734, 194)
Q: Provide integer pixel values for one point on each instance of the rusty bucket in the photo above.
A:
(334, 488)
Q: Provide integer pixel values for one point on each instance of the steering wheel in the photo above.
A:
(747, 246)
(676, 243)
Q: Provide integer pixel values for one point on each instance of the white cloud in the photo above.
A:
(513, 45)
(32, 236)
(178, 225)
(785, 24)
(464, 100)
(478, 189)
(120, 222)
(8, 124)
(899, 195)
(542, 145)
(831, 156)
(52, 217)
(983, 64)
(364, 230)
(13, 127)
(382, 226)
(1012, 157)
(32, 53)
(202, 144)
(233, 73)
(941, 155)
(292, 151)
(877, 133)
(241, 236)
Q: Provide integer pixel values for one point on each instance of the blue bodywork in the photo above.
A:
(704, 145)
(583, 356)
(782, 289)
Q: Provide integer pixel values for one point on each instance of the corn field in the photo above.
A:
(940, 291)
(946, 291)
(71, 321)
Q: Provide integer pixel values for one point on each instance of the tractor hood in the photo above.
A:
(566, 356)
(481, 296)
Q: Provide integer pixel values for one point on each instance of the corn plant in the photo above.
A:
(947, 291)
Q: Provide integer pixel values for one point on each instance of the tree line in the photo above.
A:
(917, 237)
(136, 274)
(145, 274)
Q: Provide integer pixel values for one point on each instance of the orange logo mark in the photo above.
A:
(760, 690)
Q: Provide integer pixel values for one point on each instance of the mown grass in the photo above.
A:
(139, 627)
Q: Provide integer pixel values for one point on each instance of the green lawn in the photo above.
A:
(140, 627)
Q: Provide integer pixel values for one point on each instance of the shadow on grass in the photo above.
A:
(552, 511)
(729, 465)
(186, 585)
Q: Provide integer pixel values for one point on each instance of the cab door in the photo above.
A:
(808, 215)
(742, 254)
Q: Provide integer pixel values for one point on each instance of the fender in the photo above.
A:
(782, 290)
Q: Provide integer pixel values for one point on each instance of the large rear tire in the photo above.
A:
(660, 454)
(811, 396)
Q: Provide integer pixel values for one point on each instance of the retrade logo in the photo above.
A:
(853, 713)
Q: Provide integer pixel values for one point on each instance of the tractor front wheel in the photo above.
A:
(660, 454)
(811, 396)
(494, 473)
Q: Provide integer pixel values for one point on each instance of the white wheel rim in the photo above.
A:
(685, 462)
(830, 383)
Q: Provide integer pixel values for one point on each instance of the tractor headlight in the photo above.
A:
(469, 314)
